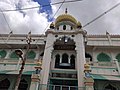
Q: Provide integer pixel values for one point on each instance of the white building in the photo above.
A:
(71, 59)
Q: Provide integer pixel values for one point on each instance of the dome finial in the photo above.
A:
(66, 11)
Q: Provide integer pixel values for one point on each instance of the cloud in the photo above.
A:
(22, 21)
(86, 10)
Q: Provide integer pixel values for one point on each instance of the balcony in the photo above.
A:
(59, 87)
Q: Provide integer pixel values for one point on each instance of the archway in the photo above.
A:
(23, 85)
(4, 84)
(110, 87)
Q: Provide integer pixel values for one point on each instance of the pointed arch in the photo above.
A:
(110, 87)
(13, 55)
(118, 57)
(3, 53)
(31, 55)
(72, 61)
(65, 58)
(102, 57)
(57, 60)
(4, 84)
(23, 85)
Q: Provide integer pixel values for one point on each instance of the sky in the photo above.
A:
(38, 19)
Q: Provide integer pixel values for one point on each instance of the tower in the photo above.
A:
(64, 55)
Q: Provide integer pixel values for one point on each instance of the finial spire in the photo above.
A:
(66, 11)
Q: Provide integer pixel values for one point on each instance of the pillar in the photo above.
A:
(80, 59)
(35, 80)
(89, 82)
(47, 59)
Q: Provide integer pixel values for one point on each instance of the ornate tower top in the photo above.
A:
(66, 19)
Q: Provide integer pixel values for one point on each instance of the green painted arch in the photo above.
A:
(3, 53)
(102, 57)
(31, 55)
(118, 57)
(13, 55)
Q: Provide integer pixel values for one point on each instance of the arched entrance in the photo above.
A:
(23, 85)
(110, 87)
(4, 84)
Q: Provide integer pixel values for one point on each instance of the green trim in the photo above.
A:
(100, 77)
(3, 53)
(28, 72)
(13, 72)
(64, 71)
(102, 57)
(63, 78)
(16, 64)
(118, 57)
(101, 68)
(31, 55)
(13, 55)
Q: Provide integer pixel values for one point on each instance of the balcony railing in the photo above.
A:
(108, 64)
(59, 87)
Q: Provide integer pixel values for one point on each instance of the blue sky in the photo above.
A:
(46, 9)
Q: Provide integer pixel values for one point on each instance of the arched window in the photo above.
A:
(64, 27)
(88, 56)
(4, 84)
(3, 53)
(71, 28)
(102, 57)
(72, 61)
(57, 61)
(64, 58)
(23, 85)
(110, 87)
(13, 55)
(31, 55)
(118, 57)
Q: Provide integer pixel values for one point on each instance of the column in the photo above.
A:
(80, 59)
(47, 59)
(35, 80)
(89, 84)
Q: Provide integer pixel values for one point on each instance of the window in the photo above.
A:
(118, 57)
(23, 85)
(65, 58)
(31, 55)
(102, 57)
(72, 61)
(13, 55)
(4, 84)
(71, 28)
(57, 61)
(64, 27)
(3, 53)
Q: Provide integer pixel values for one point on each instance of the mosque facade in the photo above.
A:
(65, 58)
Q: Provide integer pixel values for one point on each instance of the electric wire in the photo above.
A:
(53, 16)
(101, 15)
(41, 5)
(6, 20)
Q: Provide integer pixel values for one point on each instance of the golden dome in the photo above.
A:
(65, 17)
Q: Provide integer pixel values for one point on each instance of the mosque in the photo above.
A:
(65, 58)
